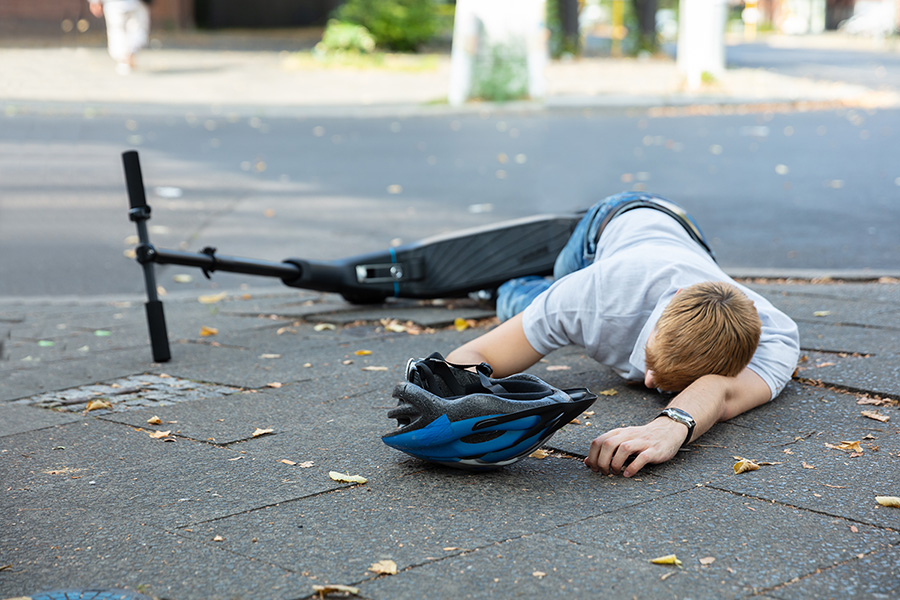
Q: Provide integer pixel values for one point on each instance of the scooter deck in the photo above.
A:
(444, 266)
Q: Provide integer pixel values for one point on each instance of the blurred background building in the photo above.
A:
(870, 17)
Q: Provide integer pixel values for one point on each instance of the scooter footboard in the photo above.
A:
(445, 266)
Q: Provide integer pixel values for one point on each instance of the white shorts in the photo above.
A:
(127, 27)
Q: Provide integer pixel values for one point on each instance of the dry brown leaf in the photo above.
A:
(540, 453)
(212, 298)
(334, 588)
(707, 560)
(875, 415)
(154, 420)
(609, 392)
(274, 384)
(268, 356)
(258, 432)
(846, 446)
(558, 367)
(373, 368)
(384, 567)
(346, 478)
(892, 501)
(98, 405)
(667, 575)
(287, 462)
(668, 559)
(806, 465)
(539, 574)
(158, 435)
(208, 331)
(306, 464)
(744, 465)
(218, 538)
(324, 327)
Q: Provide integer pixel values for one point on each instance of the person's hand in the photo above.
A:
(97, 9)
(653, 443)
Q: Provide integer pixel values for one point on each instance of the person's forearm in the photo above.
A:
(714, 398)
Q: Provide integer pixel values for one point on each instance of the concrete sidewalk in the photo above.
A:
(102, 498)
(271, 76)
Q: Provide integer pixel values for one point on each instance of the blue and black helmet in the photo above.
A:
(452, 416)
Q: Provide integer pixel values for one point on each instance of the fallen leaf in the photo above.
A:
(46, 343)
(558, 367)
(806, 465)
(158, 435)
(539, 574)
(373, 368)
(287, 462)
(208, 331)
(384, 567)
(274, 384)
(102, 333)
(575, 422)
(154, 420)
(363, 352)
(324, 327)
(875, 415)
(218, 538)
(893, 501)
(182, 278)
(744, 465)
(788, 451)
(821, 313)
(669, 559)
(609, 392)
(268, 356)
(707, 560)
(540, 453)
(212, 298)
(346, 478)
(854, 529)
(393, 325)
(97, 405)
(306, 464)
(460, 324)
(450, 548)
(846, 446)
(332, 588)
(258, 432)
(347, 362)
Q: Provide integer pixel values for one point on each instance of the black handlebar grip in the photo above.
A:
(133, 179)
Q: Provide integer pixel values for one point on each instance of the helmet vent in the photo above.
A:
(481, 437)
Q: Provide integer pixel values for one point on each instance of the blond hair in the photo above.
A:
(709, 328)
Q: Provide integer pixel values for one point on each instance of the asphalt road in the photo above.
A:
(813, 190)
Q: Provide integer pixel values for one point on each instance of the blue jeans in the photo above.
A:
(516, 294)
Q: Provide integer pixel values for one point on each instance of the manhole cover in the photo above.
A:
(94, 594)
(129, 393)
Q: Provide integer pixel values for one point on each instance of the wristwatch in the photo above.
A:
(680, 416)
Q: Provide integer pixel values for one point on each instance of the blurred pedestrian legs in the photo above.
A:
(127, 29)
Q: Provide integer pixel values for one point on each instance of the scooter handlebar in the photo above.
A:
(134, 181)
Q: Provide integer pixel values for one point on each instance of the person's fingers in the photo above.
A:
(640, 460)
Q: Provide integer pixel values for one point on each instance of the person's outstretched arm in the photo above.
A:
(505, 348)
(709, 400)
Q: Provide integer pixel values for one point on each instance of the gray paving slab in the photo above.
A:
(413, 511)
(15, 418)
(706, 523)
(876, 575)
(76, 550)
(833, 338)
(125, 474)
(876, 374)
(609, 555)
(64, 374)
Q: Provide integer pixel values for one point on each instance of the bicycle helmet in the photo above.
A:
(459, 418)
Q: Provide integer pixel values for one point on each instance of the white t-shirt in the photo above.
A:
(610, 307)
